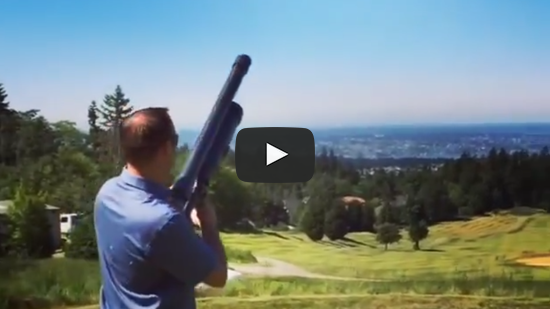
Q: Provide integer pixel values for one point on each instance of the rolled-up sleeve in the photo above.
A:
(178, 250)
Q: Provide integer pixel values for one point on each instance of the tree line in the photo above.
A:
(418, 197)
(55, 163)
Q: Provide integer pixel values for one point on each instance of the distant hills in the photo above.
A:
(439, 129)
(189, 136)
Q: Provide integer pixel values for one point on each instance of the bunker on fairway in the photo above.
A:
(539, 261)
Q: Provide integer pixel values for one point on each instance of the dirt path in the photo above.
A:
(269, 267)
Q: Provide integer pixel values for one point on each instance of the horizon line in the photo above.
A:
(404, 125)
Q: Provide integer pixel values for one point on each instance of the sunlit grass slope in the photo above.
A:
(482, 246)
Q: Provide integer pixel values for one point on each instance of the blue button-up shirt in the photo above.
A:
(149, 254)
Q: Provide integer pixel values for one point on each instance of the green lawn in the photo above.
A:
(462, 265)
(483, 246)
(393, 301)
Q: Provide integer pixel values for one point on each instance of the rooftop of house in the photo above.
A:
(353, 200)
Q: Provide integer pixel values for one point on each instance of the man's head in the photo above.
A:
(148, 141)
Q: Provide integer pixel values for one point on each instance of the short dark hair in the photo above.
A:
(144, 132)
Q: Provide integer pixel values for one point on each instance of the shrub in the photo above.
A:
(82, 243)
(29, 226)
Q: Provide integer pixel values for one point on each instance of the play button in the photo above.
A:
(256, 149)
(273, 154)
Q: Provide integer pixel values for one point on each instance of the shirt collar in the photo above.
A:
(144, 184)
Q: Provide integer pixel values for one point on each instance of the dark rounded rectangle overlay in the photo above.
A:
(250, 155)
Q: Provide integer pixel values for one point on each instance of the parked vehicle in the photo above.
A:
(67, 223)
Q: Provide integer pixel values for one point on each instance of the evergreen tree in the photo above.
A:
(354, 215)
(8, 128)
(368, 218)
(115, 108)
(322, 191)
(312, 222)
(336, 223)
(385, 214)
(94, 131)
(93, 118)
(4, 104)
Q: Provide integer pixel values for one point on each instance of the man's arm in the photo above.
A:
(177, 249)
(211, 235)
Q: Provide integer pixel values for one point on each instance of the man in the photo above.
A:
(149, 254)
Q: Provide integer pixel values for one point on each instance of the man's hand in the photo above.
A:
(205, 215)
(195, 218)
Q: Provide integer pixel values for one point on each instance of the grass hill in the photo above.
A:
(482, 246)
(466, 264)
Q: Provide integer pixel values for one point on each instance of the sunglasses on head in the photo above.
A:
(175, 139)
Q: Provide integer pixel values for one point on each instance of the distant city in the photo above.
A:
(434, 141)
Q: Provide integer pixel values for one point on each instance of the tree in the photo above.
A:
(294, 204)
(368, 218)
(418, 231)
(68, 136)
(115, 108)
(9, 122)
(269, 213)
(34, 138)
(385, 213)
(230, 196)
(30, 228)
(94, 131)
(354, 215)
(312, 222)
(4, 104)
(418, 226)
(322, 191)
(387, 233)
(336, 225)
(343, 187)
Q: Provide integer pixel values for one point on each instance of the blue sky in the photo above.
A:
(315, 62)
